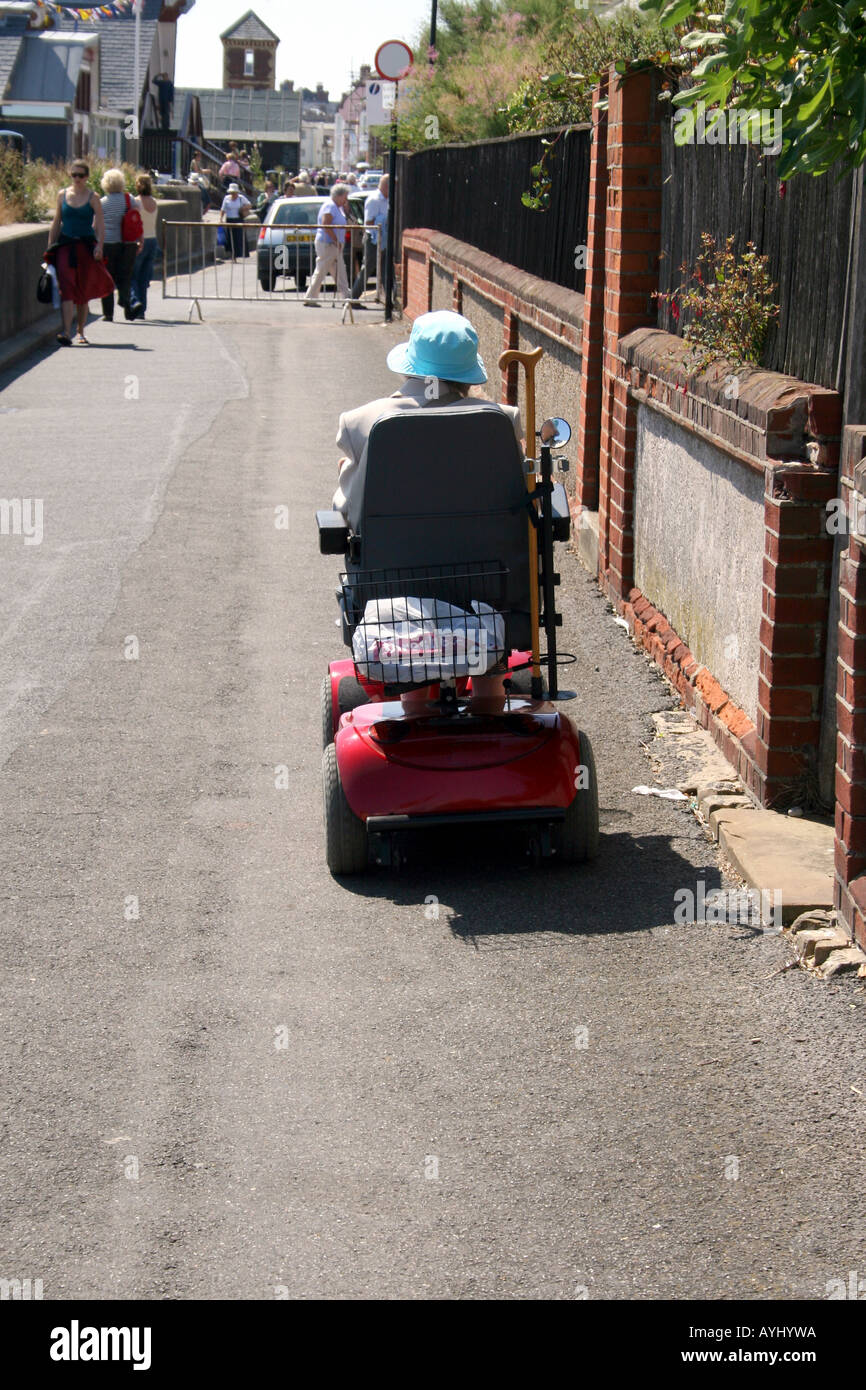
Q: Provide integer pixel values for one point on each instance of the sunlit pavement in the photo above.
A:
(227, 1074)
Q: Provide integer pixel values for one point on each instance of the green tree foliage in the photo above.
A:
(499, 72)
(483, 52)
(560, 90)
(806, 60)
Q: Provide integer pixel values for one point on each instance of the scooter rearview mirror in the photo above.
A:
(555, 432)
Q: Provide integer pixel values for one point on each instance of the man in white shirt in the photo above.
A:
(376, 220)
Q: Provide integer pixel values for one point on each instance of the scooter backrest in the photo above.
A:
(446, 486)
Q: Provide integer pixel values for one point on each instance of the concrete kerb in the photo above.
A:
(39, 335)
(773, 852)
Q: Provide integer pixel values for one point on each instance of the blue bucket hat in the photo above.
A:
(442, 344)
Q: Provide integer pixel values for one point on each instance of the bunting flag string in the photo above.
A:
(116, 9)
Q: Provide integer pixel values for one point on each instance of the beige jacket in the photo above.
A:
(354, 429)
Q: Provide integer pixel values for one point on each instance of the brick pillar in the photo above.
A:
(798, 557)
(589, 417)
(850, 845)
(631, 252)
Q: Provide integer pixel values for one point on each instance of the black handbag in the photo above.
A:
(44, 289)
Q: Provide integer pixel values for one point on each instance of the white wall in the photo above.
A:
(699, 548)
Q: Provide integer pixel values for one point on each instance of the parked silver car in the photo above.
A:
(291, 224)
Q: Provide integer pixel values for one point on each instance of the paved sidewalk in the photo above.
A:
(228, 1074)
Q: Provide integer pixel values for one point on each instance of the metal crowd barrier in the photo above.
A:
(252, 268)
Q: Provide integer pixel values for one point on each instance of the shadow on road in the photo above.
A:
(489, 887)
(91, 346)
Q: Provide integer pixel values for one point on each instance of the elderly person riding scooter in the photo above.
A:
(439, 364)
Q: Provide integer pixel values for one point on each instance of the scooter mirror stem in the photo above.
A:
(547, 574)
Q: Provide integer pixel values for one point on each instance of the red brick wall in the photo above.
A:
(850, 846)
(770, 422)
(416, 274)
(626, 361)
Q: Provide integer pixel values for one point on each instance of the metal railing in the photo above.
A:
(199, 263)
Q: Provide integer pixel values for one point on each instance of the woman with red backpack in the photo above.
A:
(124, 232)
(76, 251)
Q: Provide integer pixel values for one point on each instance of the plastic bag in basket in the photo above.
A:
(403, 641)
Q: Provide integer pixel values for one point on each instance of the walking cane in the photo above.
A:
(528, 361)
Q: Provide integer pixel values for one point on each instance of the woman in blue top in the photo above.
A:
(76, 239)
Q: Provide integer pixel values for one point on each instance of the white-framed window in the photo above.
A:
(249, 63)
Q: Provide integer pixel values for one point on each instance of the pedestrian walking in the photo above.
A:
(230, 171)
(330, 241)
(120, 254)
(376, 222)
(202, 182)
(232, 218)
(142, 271)
(301, 186)
(76, 240)
(266, 200)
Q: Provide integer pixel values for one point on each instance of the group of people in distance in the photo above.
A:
(90, 256)
(94, 258)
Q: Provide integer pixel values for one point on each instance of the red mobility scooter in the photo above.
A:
(441, 717)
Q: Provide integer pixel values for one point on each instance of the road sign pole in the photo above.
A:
(392, 182)
(393, 60)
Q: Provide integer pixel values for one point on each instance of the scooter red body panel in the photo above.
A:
(394, 764)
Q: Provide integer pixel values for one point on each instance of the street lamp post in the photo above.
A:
(432, 30)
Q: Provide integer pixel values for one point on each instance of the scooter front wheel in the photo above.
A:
(345, 835)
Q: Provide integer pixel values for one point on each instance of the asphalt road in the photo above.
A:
(227, 1075)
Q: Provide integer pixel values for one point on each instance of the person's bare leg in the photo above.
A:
(415, 701)
(488, 694)
(83, 310)
(67, 314)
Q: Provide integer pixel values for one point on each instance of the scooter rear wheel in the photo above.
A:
(345, 834)
(578, 833)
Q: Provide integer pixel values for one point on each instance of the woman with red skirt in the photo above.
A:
(75, 249)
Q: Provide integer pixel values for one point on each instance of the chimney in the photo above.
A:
(287, 86)
(365, 72)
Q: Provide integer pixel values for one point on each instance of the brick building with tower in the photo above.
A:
(249, 55)
(247, 108)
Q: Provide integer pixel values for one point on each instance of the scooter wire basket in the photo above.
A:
(420, 625)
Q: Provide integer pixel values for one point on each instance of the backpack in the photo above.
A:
(132, 227)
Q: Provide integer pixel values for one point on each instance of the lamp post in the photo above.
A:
(137, 74)
(433, 8)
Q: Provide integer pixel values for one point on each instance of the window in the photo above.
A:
(82, 92)
(249, 63)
